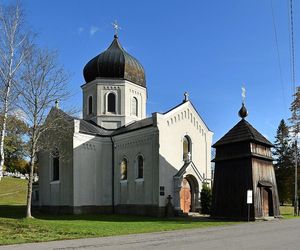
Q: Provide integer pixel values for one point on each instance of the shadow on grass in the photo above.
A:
(12, 211)
(19, 212)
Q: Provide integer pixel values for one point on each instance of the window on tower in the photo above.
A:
(111, 103)
(90, 105)
(134, 106)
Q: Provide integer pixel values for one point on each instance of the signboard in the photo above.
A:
(249, 196)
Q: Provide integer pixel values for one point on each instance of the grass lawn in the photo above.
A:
(287, 211)
(15, 229)
(47, 228)
(13, 191)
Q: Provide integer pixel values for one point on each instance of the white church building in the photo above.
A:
(119, 160)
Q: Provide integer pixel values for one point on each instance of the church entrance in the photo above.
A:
(189, 193)
(267, 201)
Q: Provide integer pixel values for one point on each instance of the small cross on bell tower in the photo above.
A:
(243, 112)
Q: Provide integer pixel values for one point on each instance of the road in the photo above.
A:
(279, 234)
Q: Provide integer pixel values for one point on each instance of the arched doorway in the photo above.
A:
(189, 194)
(267, 201)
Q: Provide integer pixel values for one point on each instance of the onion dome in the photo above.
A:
(115, 62)
(243, 111)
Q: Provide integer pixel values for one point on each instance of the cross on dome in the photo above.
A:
(116, 27)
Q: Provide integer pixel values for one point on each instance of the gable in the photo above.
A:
(190, 168)
(186, 112)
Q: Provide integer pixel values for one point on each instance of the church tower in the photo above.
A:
(115, 91)
(244, 163)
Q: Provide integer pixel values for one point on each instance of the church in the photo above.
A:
(118, 160)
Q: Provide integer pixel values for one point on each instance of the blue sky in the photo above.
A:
(208, 48)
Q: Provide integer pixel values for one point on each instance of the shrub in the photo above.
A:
(206, 197)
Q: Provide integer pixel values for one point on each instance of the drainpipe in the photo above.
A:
(113, 175)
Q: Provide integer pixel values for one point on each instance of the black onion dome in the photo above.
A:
(115, 62)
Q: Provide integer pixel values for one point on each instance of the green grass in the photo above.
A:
(287, 211)
(47, 228)
(13, 191)
(14, 228)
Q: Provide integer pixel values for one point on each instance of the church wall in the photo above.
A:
(60, 192)
(92, 171)
(89, 90)
(138, 92)
(133, 193)
(124, 91)
(173, 126)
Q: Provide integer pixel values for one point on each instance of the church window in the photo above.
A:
(187, 148)
(140, 170)
(90, 105)
(124, 169)
(134, 106)
(55, 166)
(111, 103)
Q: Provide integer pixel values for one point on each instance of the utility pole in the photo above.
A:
(296, 207)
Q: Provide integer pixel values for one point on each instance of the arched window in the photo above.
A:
(90, 105)
(111, 102)
(55, 165)
(124, 169)
(134, 106)
(140, 167)
(187, 149)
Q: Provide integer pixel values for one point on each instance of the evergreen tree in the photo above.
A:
(284, 166)
(206, 199)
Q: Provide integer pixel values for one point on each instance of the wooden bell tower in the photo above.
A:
(244, 162)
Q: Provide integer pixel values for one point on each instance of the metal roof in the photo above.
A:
(115, 62)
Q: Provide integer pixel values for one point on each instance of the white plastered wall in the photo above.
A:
(137, 191)
(124, 91)
(173, 126)
(92, 170)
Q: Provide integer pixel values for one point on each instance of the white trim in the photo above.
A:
(139, 180)
(55, 182)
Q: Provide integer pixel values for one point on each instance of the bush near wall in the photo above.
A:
(206, 198)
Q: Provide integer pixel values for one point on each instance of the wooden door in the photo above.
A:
(185, 196)
(265, 202)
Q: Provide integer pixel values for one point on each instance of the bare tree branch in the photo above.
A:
(44, 82)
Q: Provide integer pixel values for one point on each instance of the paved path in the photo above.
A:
(283, 234)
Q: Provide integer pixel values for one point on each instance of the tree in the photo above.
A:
(284, 165)
(14, 48)
(295, 129)
(206, 199)
(15, 143)
(45, 83)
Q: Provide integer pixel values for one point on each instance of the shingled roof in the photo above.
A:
(242, 131)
